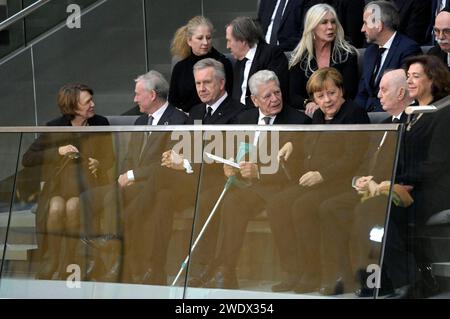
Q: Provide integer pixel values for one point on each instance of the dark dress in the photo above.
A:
(298, 78)
(69, 177)
(182, 93)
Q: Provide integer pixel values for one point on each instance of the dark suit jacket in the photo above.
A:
(156, 145)
(225, 113)
(270, 57)
(291, 27)
(437, 51)
(401, 48)
(287, 116)
(349, 113)
(415, 16)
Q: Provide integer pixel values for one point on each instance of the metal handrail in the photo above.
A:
(22, 14)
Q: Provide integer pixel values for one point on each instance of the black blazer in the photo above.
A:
(225, 113)
(298, 79)
(401, 48)
(182, 93)
(291, 27)
(349, 113)
(415, 16)
(437, 51)
(158, 142)
(96, 120)
(287, 116)
(43, 154)
(270, 57)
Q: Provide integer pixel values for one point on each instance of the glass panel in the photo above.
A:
(9, 145)
(291, 228)
(162, 22)
(88, 230)
(16, 91)
(222, 12)
(49, 16)
(107, 53)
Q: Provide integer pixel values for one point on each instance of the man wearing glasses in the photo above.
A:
(442, 35)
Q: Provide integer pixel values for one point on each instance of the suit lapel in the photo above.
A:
(221, 110)
(165, 118)
(389, 56)
(370, 65)
(286, 12)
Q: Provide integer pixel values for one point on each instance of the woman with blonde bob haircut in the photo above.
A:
(192, 43)
(322, 45)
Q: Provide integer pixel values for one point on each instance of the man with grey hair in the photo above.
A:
(217, 106)
(442, 35)
(387, 50)
(151, 91)
(246, 44)
(242, 204)
(143, 155)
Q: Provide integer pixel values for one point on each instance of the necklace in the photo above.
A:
(414, 121)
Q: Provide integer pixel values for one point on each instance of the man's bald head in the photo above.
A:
(442, 30)
(393, 94)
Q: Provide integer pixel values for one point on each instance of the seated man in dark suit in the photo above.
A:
(282, 22)
(246, 44)
(387, 50)
(241, 204)
(178, 177)
(144, 148)
(341, 227)
(442, 35)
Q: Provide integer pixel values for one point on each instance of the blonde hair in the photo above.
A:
(304, 52)
(179, 46)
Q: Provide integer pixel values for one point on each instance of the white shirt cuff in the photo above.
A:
(130, 175)
(187, 166)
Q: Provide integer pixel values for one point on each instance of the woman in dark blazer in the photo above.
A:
(322, 45)
(192, 43)
(70, 163)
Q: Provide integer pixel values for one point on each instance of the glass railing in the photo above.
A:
(170, 234)
(117, 41)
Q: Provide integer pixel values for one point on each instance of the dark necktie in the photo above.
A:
(277, 22)
(145, 137)
(208, 115)
(376, 69)
(266, 120)
(395, 120)
(238, 78)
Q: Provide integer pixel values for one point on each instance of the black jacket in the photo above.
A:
(291, 27)
(182, 93)
(158, 142)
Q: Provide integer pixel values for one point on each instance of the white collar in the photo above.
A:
(216, 105)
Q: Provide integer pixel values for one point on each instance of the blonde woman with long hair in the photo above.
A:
(322, 45)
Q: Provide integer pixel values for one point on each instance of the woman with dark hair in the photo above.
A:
(322, 45)
(192, 43)
(70, 164)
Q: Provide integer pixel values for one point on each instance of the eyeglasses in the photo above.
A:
(445, 32)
